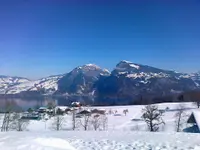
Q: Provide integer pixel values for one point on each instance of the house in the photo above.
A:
(194, 120)
(61, 109)
(76, 104)
(30, 116)
(98, 111)
(84, 112)
(42, 110)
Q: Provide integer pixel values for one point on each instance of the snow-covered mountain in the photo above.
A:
(127, 67)
(7, 82)
(196, 78)
(128, 81)
(49, 85)
(81, 79)
(145, 74)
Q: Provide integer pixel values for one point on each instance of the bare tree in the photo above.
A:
(9, 107)
(51, 105)
(153, 117)
(198, 104)
(59, 112)
(73, 119)
(125, 111)
(18, 124)
(104, 122)
(180, 117)
(85, 121)
(99, 121)
(58, 122)
(96, 121)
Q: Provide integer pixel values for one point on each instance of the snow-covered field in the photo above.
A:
(90, 140)
(124, 133)
(119, 122)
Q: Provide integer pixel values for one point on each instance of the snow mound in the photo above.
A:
(33, 143)
(54, 143)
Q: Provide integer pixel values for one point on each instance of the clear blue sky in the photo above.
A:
(45, 37)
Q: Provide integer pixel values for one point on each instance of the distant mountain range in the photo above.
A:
(16, 85)
(126, 83)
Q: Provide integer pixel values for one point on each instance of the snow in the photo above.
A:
(54, 142)
(47, 83)
(92, 65)
(125, 61)
(131, 64)
(6, 82)
(106, 70)
(135, 66)
(124, 72)
(41, 108)
(185, 76)
(134, 75)
(90, 140)
(121, 122)
(147, 76)
(123, 133)
(89, 70)
(18, 141)
(144, 82)
(197, 84)
(175, 91)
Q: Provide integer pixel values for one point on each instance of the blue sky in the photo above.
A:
(45, 37)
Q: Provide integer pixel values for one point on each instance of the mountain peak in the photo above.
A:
(89, 70)
(127, 64)
(88, 67)
(125, 61)
(92, 66)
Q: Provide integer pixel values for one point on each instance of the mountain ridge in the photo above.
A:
(127, 81)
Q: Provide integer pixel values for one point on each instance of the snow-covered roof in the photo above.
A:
(75, 103)
(84, 112)
(43, 108)
(196, 115)
(63, 108)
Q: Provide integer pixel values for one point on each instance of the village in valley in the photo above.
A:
(167, 117)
